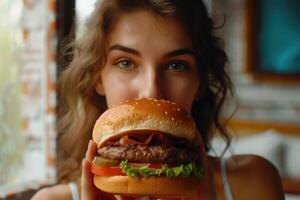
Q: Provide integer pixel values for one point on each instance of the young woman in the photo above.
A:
(162, 49)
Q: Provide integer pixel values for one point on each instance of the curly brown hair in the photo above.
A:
(81, 105)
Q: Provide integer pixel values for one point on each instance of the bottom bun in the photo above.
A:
(162, 186)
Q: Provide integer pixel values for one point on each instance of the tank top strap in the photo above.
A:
(227, 188)
(74, 191)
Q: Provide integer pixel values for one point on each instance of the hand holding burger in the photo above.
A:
(147, 147)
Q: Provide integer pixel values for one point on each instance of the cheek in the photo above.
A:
(116, 90)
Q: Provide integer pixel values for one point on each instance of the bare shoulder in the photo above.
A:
(254, 175)
(56, 192)
(250, 162)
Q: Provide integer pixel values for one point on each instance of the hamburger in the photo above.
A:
(147, 147)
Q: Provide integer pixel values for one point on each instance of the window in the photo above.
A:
(11, 141)
(273, 42)
(83, 9)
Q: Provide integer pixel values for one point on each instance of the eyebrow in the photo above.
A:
(182, 51)
(125, 49)
(177, 52)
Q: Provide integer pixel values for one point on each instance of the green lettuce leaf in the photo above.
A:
(183, 170)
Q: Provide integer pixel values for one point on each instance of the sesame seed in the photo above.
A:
(166, 113)
(178, 109)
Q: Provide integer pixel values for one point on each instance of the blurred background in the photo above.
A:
(262, 39)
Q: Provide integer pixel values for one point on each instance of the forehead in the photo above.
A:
(133, 27)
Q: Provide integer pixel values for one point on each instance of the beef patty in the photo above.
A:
(149, 154)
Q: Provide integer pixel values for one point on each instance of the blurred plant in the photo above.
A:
(11, 139)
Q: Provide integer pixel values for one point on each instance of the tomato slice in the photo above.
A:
(155, 165)
(116, 171)
(106, 170)
(159, 165)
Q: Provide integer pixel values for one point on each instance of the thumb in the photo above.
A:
(86, 181)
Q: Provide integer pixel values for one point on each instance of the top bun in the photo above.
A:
(144, 114)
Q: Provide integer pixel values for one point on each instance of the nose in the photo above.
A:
(152, 85)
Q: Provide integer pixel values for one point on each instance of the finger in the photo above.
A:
(86, 181)
(91, 151)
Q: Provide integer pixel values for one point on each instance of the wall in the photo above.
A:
(269, 108)
(262, 101)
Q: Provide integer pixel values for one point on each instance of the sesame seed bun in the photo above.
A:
(144, 114)
(161, 186)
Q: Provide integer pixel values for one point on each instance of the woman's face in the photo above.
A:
(149, 56)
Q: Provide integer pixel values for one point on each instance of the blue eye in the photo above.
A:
(178, 66)
(125, 64)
